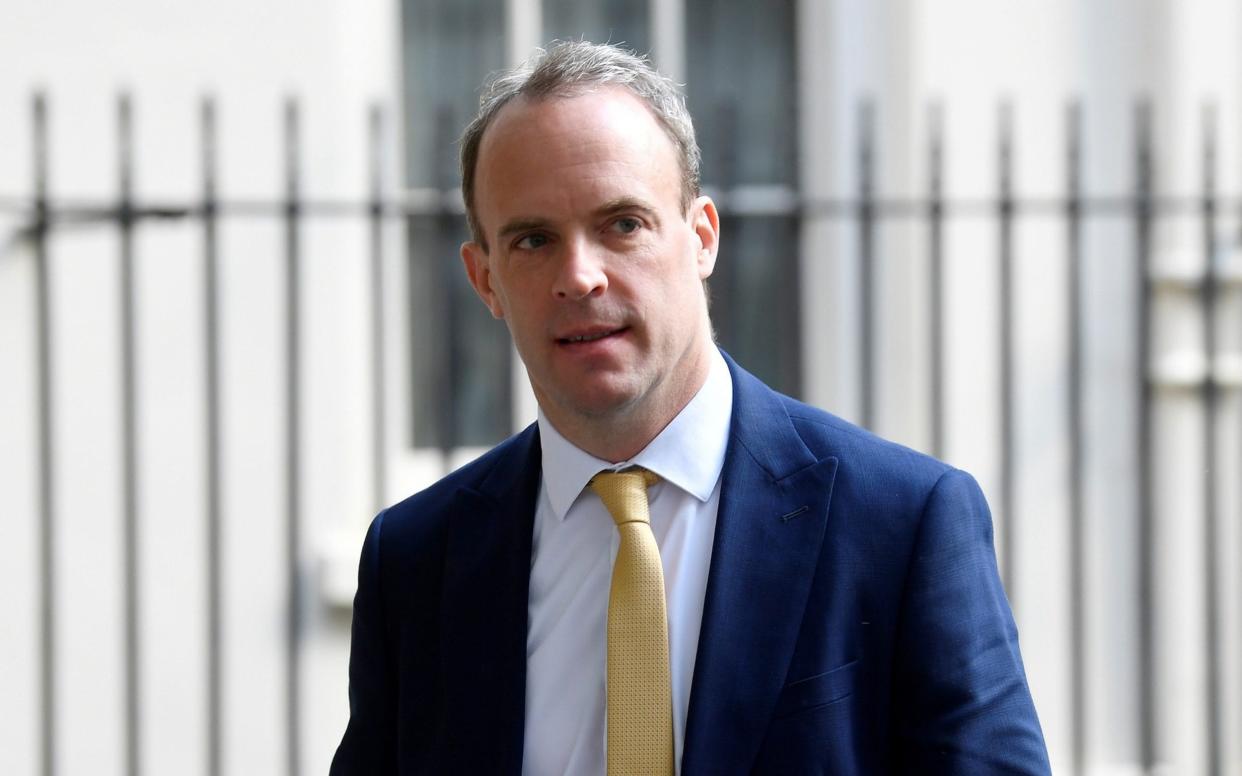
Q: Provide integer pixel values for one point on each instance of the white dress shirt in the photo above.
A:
(575, 543)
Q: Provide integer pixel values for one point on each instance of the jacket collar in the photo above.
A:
(769, 529)
(483, 613)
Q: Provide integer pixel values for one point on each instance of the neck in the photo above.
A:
(623, 433)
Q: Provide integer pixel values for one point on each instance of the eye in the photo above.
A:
(626, 225)
(531, 242)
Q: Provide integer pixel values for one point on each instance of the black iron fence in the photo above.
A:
(126, 215)
(866, 211)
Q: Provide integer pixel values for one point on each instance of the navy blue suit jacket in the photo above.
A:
(854, 621)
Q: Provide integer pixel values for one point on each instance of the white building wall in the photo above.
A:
(338, 57)
(1203, 67)
(970, 57)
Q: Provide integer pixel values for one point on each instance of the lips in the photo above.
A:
(588, 335)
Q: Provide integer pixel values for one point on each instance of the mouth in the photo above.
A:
(592, 335)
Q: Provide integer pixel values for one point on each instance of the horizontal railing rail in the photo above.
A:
(38, 215)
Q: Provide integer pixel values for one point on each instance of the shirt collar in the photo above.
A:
(688, 453)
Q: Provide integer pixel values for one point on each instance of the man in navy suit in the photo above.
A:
(833, 600)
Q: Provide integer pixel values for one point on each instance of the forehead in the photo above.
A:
(592, 140)
(589, 110)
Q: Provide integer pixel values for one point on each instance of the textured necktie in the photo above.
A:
(640, 701)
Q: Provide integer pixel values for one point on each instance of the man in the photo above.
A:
(827, 602)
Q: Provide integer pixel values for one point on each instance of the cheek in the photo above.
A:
(522, 319)
(510, 293)
(497, 303)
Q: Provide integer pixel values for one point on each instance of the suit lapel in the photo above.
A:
(769, 531)
(484, 612)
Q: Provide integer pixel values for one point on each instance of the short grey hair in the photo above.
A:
(567, 69)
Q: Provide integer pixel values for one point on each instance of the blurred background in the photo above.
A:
(233, 325)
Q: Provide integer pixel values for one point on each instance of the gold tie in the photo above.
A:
(640, 700)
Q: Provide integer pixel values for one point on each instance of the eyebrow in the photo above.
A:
(521, 225)
(620, 204)
(627, 203)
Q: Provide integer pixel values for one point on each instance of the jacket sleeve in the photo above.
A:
(369, 744)
(960, 697)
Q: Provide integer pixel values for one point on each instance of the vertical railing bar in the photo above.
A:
(292, 436)
(725, 285)
(129, 437)
(379, 422)
(1147, 622)
(47, 477)
(1076, 418)
(935, 195)
(211, 351)
(1211, 568)
(449, 354)
(866, 259)
(1235, 204)
(1008, 344)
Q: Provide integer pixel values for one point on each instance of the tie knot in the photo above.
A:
(625, 493)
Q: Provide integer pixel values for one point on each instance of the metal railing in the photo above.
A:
(126, 215)
(866, 212)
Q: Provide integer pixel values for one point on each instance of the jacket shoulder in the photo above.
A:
(884, 463)
(420, 517)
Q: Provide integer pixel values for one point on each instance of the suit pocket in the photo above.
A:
(815, 691)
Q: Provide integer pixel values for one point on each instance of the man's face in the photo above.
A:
(592, 261)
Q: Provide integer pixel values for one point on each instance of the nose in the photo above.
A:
(581, 273)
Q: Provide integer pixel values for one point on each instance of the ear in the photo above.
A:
(706, 224)
(475, 257)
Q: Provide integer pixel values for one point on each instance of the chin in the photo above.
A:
(604, 406)
(601, 401)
